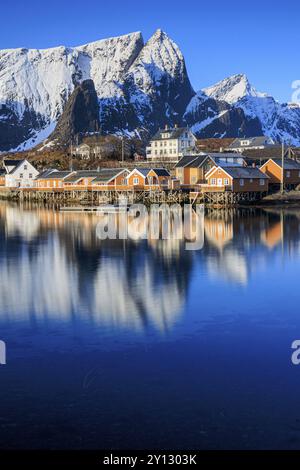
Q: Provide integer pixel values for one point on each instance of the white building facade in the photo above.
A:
(171, 144)
(19, 174)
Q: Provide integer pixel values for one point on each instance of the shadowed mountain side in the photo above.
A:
(80, 115)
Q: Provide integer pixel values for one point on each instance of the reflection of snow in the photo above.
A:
(231, 266)
(47, 286)
(26, 225)
(136, 303)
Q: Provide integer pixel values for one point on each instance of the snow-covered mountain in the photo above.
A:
(279, 121)
(35, 84)
(140, 87)
(208, 117)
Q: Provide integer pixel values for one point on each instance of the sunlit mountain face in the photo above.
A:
(113, 343)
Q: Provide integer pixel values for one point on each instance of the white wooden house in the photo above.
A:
(171, 144)
(19, 174)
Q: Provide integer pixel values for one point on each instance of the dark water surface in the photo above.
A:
(143, 344)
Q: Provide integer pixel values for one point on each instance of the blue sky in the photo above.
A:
(218, 39)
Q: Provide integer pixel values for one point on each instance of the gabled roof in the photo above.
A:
(12, 162)
(80, 174)
(289, 164)
(19, 164)
(46, 173)
(242, 172)
(160, 171)
(175, 133)
(192, 161)
(142, 171)
(253, 142)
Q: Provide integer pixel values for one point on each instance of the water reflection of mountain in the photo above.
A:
(52, 265)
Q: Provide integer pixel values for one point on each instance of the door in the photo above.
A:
(220, 182)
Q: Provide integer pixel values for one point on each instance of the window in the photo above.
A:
(213, 181)
(194, 179)
(251, 180)
(135, 181)
(25, 167)
(123, 181)
(226, 182)
(288, 174)
(262, 182)
(244, 142)
(242, 182)
(30, 175)
(21, 175)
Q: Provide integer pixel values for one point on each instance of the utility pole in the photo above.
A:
(71, 157)
(282, 169)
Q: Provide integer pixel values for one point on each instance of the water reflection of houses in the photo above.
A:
(236, 240)
(52, 265)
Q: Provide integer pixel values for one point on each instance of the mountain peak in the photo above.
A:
(232, 89)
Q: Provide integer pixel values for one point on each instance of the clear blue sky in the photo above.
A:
(218, 39)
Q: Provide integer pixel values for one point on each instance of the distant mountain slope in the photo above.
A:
(279, 121)
(208, 117)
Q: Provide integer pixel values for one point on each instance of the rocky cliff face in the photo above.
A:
(80, 116)
(140, 87)
(208, 117)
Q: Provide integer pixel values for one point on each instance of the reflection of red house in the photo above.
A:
(273, 235)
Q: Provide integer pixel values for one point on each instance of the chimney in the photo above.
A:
(166, 127)
(254, 165)
(176, 126)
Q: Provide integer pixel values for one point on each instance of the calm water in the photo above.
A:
(142, 344)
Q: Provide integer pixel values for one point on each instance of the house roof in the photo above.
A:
(107, 174)
(19, 163)
(244, 172)
(253, 142)
(226, 155)
(54, 175)
(161, 171)
(46, 173)
(289, 164)
(191, 161)
(12, 162)
(175, 133)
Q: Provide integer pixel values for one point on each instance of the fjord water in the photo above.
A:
(143, 344)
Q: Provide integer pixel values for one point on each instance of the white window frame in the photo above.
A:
(262, 182)
(213, 181)
(242, 182)
(135, 181)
